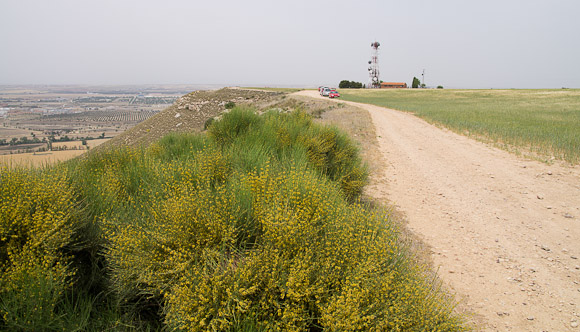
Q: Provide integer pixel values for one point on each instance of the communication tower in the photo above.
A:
(374, 81)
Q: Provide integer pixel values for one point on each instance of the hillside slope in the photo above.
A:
(189, 113)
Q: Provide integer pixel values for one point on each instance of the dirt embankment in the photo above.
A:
(189, 113)
(503, 231)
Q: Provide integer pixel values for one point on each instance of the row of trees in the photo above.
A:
(51, 138)
(345, 84)
(21, 140)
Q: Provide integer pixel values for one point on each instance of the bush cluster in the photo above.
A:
(346, 84)
(256, 226)
(39, 222)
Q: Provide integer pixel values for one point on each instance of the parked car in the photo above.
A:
(325, 92)
(333, 94)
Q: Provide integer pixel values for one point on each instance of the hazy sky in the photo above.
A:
(461, 44)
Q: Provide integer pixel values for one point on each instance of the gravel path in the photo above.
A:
(504, 231)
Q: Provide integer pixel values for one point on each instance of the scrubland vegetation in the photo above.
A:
(543, 122)
(256, 225)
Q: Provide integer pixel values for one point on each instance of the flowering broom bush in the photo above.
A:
(38, 221)
(256, 226)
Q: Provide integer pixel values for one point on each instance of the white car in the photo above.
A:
(325, 92)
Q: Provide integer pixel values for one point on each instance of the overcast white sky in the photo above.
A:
(461, 44)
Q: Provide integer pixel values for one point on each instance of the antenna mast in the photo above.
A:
(374, 80)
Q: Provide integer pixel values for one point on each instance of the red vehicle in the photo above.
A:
(333, 94)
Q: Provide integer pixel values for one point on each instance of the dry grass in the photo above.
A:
(38, 159)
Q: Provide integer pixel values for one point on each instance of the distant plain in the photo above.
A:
(73, 117)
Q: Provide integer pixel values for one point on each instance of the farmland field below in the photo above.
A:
(542, 123)
(73, 149)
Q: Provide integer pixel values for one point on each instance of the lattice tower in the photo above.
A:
(374, 79)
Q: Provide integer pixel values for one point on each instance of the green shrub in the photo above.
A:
(38, 225)
(289, 134)
(251, 227)
(208, 123)
(232, 125)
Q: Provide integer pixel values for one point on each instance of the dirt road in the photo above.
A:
(504, 231)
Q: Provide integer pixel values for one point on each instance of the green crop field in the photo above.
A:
(543, 123)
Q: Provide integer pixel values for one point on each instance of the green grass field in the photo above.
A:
(542, 123)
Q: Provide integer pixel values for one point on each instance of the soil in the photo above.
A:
(502, 230)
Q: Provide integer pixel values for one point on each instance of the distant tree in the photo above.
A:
(440, 87)
(423, 86)
(415, 83)
(345, 84)
(102, 135)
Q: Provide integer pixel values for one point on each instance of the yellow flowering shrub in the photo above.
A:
(318, 263)
(253, 227)
(38, 221)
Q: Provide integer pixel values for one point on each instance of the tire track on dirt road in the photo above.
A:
(504, 231)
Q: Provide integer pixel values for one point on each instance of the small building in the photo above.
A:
(393, 85)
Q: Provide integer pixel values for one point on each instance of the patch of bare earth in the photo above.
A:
(503, 231)
(189, 114)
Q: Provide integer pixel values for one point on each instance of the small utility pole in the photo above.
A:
(424, 78)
